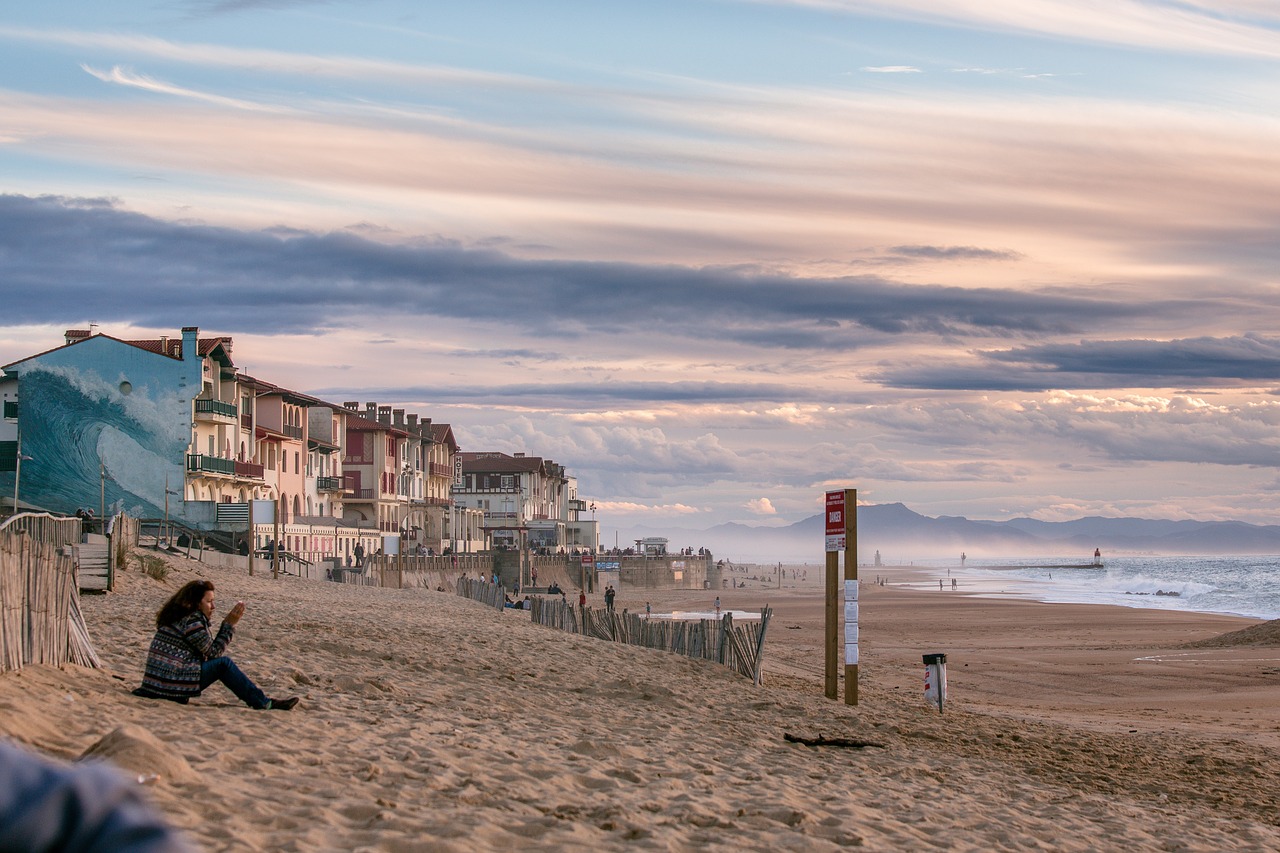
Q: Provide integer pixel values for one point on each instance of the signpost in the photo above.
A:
(842, 535)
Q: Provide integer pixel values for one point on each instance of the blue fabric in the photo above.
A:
(46, 807)
(224, 669)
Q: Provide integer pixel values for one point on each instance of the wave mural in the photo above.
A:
(79, 428)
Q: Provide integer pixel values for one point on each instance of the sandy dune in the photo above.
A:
(433, 723)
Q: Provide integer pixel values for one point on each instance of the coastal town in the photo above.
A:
(171, 429)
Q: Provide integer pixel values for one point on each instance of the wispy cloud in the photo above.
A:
(892, 69)
(126, 77)
(1240, 27)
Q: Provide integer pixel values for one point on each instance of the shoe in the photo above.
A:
(282, 704)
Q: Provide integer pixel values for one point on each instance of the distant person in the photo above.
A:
(185, 657)
(962, 559)
(953, 583)
(89, 806)
(648, 610)
(582, 598)
(1097, 556)
(359, 555)
(939, 584)
(717, 607)
(609, 595)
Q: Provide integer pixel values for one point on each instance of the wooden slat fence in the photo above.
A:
(40, 619)
(483, 591)
(739, 646)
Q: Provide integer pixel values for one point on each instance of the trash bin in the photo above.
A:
(935, 679)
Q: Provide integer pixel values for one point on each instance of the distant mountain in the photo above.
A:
(901, 535)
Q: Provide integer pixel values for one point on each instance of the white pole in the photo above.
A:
(17, 473)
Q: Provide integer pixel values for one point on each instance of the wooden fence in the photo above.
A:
(483, 591)
(40, 619)
(738, 646)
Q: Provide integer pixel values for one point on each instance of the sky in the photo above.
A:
(990, 258)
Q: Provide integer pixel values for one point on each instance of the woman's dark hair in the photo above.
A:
(184, 602)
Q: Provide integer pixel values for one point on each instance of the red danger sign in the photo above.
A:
(835, 513)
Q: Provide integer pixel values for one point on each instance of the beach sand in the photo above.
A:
(429, 722)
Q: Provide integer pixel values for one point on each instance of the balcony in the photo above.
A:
(250, 470)
(329, 484)
(292, 431)
(202, 464)
(215, 411)
(441, 470)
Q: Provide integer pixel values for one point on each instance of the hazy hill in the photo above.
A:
(900, 535)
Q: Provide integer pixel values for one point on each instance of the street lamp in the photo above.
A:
(167, 492)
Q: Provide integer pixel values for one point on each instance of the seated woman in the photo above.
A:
(185, 658)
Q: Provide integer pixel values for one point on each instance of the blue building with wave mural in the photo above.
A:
(103, 423)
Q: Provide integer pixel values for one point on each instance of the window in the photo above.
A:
(11, 409)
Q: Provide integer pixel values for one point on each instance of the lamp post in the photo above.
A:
(167, 492)
(17, 472)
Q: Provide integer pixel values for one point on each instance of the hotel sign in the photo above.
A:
(836, 525)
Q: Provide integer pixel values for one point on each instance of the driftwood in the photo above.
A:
(822, 740)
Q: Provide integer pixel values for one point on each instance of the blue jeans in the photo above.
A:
(225, 670)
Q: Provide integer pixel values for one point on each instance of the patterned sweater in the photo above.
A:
(177, 650)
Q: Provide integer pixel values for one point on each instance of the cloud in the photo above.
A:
(83, 253)
(1244, 360)
(892, 69)
(126, 77)
(761, 506)
(1226, 27)
(630, 508)
(955, 253)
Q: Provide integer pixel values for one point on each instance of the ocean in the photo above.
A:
(1241, 586)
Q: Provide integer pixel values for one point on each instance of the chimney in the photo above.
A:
(413, 422)
(518, 455)
(398, 416)
(164, 344)
(352, 406)
(371, 411)
(384, 415)
(190, 342)
(72, 336)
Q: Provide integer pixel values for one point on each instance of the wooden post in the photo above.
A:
(275, 544)
(832, 632)
(841, 524)
(851, 596)
(253, 546)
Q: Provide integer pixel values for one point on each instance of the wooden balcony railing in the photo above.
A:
(251, 470)
(215, 407)
(199, 462)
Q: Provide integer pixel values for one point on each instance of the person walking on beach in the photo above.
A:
(359, 555)
(717, 607)
(609, 594)
(185, 657)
